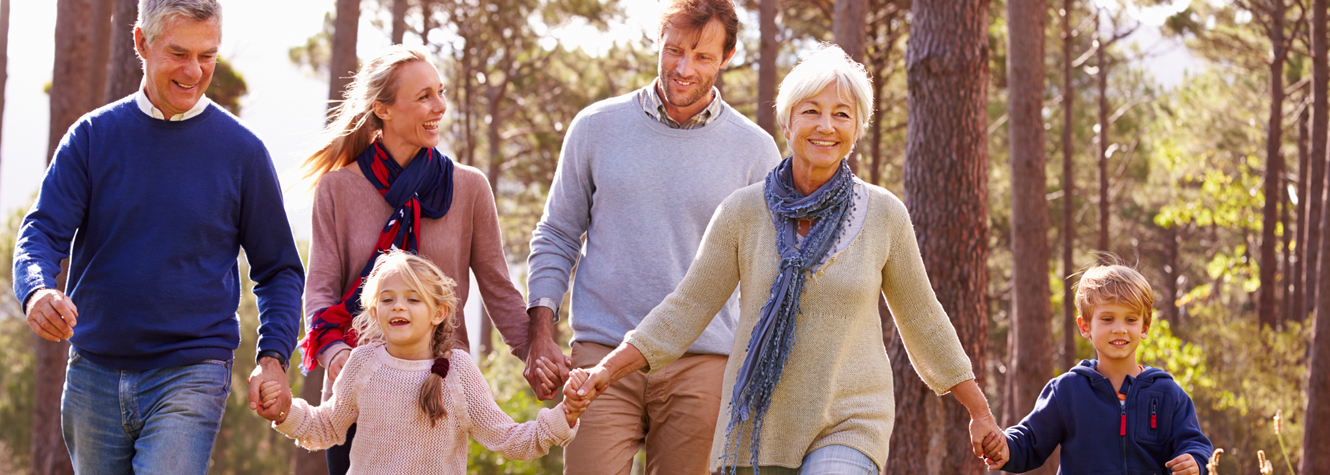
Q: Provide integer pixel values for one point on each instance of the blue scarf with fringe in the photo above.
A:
(773, 336)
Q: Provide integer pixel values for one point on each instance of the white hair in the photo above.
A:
(827, 65)
(154, 15)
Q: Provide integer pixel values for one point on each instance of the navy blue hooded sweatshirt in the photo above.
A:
(1080, 411)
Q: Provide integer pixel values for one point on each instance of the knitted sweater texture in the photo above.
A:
(380, 394)
(836, 388)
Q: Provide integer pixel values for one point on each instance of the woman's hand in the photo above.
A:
(588, 385)
(988, 441)
(338, 361)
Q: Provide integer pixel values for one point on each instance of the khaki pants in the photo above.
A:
(671, 412)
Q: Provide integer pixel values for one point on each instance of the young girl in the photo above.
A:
(413, 397)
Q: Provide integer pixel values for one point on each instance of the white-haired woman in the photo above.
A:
(809, 385)
(381, 184)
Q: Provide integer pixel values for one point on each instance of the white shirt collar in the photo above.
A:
(145, 105)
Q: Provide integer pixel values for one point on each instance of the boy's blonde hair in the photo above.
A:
(436, 290)
(1114, 283)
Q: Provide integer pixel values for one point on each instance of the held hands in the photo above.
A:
(1184, 464)
(272, 394)
(587, 384)
(988, 441)
(574, 405)
(267, 373)
(544, 383)
(51, 314)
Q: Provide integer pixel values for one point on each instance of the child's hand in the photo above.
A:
(573, 407)
(996, 451)
(271, 392)
(1184, 464)
(588, 384)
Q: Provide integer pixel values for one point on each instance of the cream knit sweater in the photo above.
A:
(380, 393)
(837, 385)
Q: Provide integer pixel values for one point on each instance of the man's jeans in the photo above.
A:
(160, 421)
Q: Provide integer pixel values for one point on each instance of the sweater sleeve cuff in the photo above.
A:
(557, 424)
(295, 417)
(657, 358)
(330, 350)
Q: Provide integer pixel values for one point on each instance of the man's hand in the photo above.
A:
(542, 345)
(272, 393)
(338, 361)
(51, 314)
(1184, 464)
(988, 441)
(269, 370)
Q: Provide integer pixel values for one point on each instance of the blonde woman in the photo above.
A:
(381, 184)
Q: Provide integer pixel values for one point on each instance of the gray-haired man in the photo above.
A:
(162, 189)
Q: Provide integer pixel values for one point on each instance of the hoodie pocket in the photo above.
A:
(1153, 418)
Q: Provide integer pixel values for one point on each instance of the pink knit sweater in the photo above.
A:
(380, 394)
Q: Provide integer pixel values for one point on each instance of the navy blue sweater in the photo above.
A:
(158, 212)
(1080, 411)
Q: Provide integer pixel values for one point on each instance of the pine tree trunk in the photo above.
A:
(342, 64)
(399, 21)
(4, 56)
(1294, 304)
(1274, 169)
(1101, 61)
(1031, 362)
(848, 27)
(946, 187)
(101, 50)
(1316, 435)
(766, 66)
(1169, 305)
(1316, 172)
(71, 97)
(124, 73)
(1068, 194)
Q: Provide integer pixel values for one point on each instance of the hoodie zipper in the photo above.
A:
(1122, 437)
(1154, 404)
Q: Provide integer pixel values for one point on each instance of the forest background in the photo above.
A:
(1027, 137)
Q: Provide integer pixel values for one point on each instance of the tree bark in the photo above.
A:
(399, 21)
(1316, 172)
(849, 25)
(1031, 363)
(342, 65)
(1102, 62)
(766, 67)
(124, 72)
(101, 50)
(4, 56)
(1274, 169)
(1169, 306)
(1069, 332)
(71, 97)
(946, 186)
(1294, 304)
(1316, 435)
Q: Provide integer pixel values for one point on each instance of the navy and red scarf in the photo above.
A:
(424, 189)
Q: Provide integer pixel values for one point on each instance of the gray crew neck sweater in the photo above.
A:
(642, 194)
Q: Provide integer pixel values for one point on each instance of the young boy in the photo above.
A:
(1111, 415)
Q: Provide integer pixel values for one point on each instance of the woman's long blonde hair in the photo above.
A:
(354, 125)
(436, 290)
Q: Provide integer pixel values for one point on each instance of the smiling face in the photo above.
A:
(405, 319)
(1115, 330)
(412, 121)
(688, 65)
(178, 64)
(820, 133)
